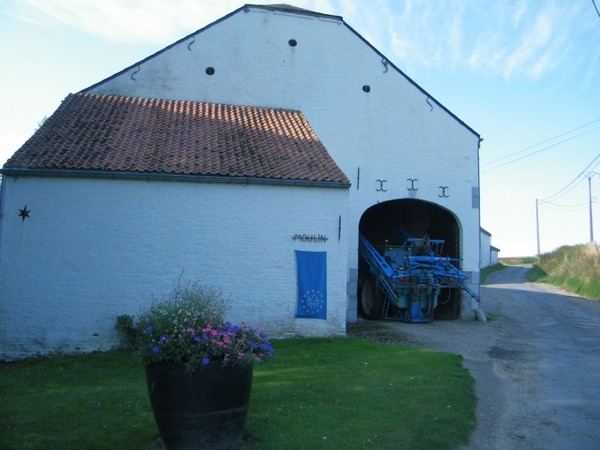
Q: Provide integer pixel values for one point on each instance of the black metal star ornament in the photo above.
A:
(24, 213)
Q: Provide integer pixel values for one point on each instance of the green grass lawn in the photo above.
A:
(317, 393)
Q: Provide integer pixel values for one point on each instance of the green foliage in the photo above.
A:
(575, 268)
(188, 326)
(535, 274)
(491, 317)
(491, 269)
(518, 261)
(377, 395)
(125, 326)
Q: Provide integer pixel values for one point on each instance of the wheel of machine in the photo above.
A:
(370, 300)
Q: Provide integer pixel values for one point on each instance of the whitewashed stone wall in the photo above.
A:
(93, 249)
(393, 132)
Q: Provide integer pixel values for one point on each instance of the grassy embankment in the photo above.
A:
(574, 268)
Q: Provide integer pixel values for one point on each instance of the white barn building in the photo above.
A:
(270, 131)
(488, 253)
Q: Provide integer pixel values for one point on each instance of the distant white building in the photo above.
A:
(488, 255)
(272, 131)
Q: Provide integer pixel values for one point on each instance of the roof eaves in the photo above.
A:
(155, 176)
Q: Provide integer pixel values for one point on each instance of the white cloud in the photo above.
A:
(401, 46)
(527, 40)
(594, 68)
(519, 13)
(137, 21)
(456, 34)
(130, 21)
(516, 38)
(526, 56)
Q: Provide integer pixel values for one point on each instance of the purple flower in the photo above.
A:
(155, 349)
(149, 330)
(197, 339)
(163, 338)
(205, 361)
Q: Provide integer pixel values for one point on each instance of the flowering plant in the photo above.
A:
(188, 326)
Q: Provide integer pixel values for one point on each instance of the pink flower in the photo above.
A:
(192, 332)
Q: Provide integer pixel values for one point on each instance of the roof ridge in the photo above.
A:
(129, 97)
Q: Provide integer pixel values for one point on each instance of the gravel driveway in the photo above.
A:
(537, 367)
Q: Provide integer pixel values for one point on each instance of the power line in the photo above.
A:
(587, 169)
(571, 185)
(565, 207)
(594, 3)
(538, 151)
(540, 143)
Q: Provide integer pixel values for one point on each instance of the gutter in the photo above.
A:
(210, 179)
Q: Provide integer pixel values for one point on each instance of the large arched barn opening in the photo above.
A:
(429, 229)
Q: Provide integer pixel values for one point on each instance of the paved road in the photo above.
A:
(537, 368)
(550, 345)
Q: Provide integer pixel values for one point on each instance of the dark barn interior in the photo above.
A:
(379, 225)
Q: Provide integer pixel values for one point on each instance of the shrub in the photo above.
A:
(188, 326)
(125, 326)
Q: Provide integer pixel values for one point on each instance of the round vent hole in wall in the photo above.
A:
(366, 88)
(210, 71)
(292, 42)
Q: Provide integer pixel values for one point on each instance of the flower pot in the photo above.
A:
(202, 410)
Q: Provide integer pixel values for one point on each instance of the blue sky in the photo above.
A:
(525, 74)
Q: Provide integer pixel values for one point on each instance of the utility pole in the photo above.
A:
(591, 220)
(537, 228)
(589, 176)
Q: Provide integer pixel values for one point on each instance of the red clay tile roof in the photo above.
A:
(123, 134)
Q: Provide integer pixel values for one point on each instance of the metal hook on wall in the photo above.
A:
(412, 184)
(430, 105)
(385, 62)
(132, 75)
(190, 44)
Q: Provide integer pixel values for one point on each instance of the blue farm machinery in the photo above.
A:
(408, 281)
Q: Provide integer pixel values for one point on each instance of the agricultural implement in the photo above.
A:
(407, 281)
